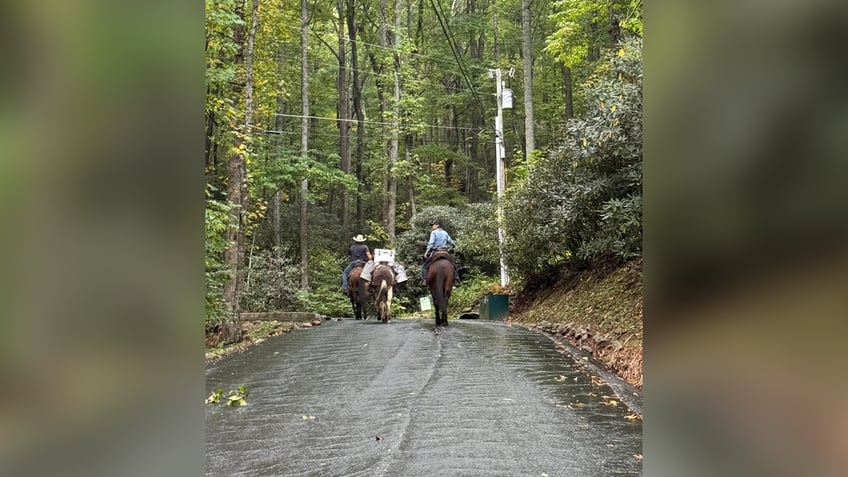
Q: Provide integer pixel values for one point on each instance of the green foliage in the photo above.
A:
(325, 276)
(376, 232)
(215, 397)
(221, 22)
(479, 239)
(585, 24)
(586, 194)
(326, 300)
(217, 223)
(235, 398)
(272, 283)
(468, 296)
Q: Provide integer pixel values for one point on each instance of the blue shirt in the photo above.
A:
(438, 239)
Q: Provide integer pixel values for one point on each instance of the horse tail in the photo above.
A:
(441, 296)
(362, 291)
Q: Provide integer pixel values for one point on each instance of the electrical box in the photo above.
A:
(507, 98)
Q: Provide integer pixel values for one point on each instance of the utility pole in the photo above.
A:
(504, 98)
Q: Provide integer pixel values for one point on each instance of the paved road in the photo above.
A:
(353, 398)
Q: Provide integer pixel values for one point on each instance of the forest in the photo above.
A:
(325, 120)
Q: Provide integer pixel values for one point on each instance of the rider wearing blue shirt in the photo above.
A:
(439, 240)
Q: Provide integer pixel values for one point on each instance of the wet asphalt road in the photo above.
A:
(353, 398)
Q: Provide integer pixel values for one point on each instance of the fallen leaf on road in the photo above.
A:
(631, 417)
(638, 457)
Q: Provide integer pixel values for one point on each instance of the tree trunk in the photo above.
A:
(495, 31)
(410, 181)
(568, 91)
(453, 138)
(344, 116)
(279, 125)
(478, 49)
(304, 145)
(527, 53)
(383, 34)
(357, 107)
(237, 192)
(210, 136)
(391, 211)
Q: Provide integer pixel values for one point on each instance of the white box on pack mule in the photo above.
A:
(384, 255)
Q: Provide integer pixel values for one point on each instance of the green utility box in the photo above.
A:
(494, 307)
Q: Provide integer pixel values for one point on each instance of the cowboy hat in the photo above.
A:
(359, 238)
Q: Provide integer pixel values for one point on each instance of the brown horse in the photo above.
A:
(358, 293)
(382, 283)
(440, 280)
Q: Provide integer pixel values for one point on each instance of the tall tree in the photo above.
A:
(357, 85)
(304, 144)
(391, 210)
(527, 53)
(343, 114)
(237, 193)
(568, 91)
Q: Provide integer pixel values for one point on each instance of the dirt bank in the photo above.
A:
(598, 310)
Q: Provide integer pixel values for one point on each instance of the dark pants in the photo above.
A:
(346, 272)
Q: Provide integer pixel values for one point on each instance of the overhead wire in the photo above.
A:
(379, 123)
(373, 45)
(387, 75)
(455, 51)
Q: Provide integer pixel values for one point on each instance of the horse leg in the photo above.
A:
(389, 305)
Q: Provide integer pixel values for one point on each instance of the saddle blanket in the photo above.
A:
(400, 273)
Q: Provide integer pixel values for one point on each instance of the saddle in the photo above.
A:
(439, 254)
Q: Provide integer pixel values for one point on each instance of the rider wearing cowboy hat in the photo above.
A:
(358, 254)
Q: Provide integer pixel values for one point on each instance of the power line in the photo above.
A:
(389, 75)
(455, 51)
(360, 42)
(380, 123)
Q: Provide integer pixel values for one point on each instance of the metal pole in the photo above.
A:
(499, 170)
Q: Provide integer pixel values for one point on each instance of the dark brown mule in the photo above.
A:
(382, 283)
(357, 291)
(440, 280)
